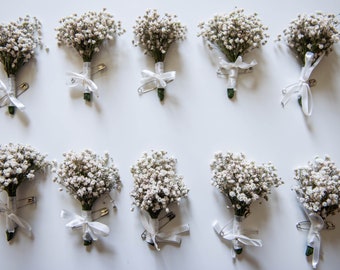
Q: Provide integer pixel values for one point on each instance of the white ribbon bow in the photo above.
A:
(9, 97)
(302, 88)
(15, 218)
(230, 69)
(232, 232)
(152, 80)
(153, 236)
(92, 228)
(84, 79)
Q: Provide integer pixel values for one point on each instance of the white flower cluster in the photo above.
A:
(156, 183)
(87, 32)
(235, 33)
(18, 41)
(315, 33)
(319, 186)
(18, 163)
(155, 34)
(242, 181)
(87, 176)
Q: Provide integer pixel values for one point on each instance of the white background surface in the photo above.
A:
(196, 120)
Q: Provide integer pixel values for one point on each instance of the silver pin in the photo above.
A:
(26, 201)
(98, 68)
(100, 213)
(170, 216)
(312, 82)
(22, 88)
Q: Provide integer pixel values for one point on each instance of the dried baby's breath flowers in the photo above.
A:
(310, 37)
(156, 183)
(316, 33)
(155, 34)
(87, 176)
(234, 35)
(18, 43)
(318, 191)
(86, 34)
(242, 182)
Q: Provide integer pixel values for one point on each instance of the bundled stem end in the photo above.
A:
(309, 250)
(231, 92)
(87, 96)
(10, 235)
(161, 93)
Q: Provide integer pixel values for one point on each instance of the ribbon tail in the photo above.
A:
(18, 104)
(316, 251)
(249, 241)
(99, 228)
(20, 222)
(288, 92)
(307, 100)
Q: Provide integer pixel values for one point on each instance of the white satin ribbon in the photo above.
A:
(91, 228)
(302, 88)
(314, 238)
(154, 236)
(83, 79)
(153, 80)
(233, 232)
(12, 219)
(231, 69)
(9, 94)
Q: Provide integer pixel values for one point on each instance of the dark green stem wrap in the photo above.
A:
(88, 96)
(231, 92)
(309, 251)
(11, 109)
(161, 93)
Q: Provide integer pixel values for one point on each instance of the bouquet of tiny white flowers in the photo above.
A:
(18, 163)
(231, 36)
(87, 176)
(156, 186)
(155, 34)
(242, 182)
(86, 34)
(18, 42)
(318, 191)
(310, 37)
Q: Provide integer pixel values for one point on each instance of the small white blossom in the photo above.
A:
(87, 32)
(242, 181)
(319, 186)
(156, 183)
(87, 176)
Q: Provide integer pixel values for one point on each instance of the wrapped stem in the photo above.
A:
(87, 73)
(232, 78)
(12, 89)
(237, 245)
(159, 69)
(10, 224)
(87, 215)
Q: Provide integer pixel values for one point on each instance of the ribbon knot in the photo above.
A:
(231, 69)
(91, 228)
(9, 95)
(83, 79)
(153, 80)
(302, 88)
(154, 236)
(233, 232)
